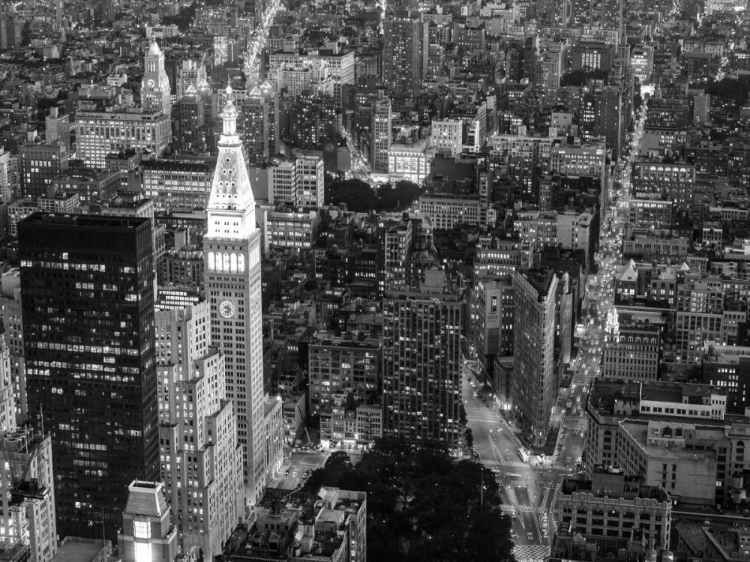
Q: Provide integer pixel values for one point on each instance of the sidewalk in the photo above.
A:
(509, 426)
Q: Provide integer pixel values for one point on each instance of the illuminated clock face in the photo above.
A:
(150, 83)
(227, 309)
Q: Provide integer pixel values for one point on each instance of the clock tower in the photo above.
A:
(155, 91)
(233, 289)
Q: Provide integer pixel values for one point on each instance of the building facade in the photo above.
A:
(232, 248)
(28, 504)
(632, 350)
(38, 165)
(155, 91)
(534, 385)
(422, 368)
(339, 364)
(201, 459)
(381, 134)
(102, 131)
(405, 45)
(611, 505)
(176, 185)
(98, 389)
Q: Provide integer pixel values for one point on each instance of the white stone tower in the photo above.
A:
(233, 289)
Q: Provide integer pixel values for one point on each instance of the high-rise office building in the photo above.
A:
(282, 183)
(178, 185)
(39, 164)
(101, 131)
(233, 287)
(533, 386)
(201, 460)
(11, 30)
(255, 114)
(28, 494)
(310, 181)
(491, 320)
(155, 91)
(9, 181)
(58, 128)
(312, 120)
(189, 119)
(422, 334)
(27, 514)
(7, 399)
(188, 75)
(405, 44)
(12, 316)
(381, 133)
(297, 182)
(550, 64)
(701, 109)
(88, 319)
(397, 244)
(612, 16)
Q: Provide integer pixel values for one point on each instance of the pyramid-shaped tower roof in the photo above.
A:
(231, 188)
(153, 48)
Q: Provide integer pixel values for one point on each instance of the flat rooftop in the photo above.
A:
(639, 432)
(75, 550)
(94, 221)
(733, 542)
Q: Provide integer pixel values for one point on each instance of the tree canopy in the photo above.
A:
(360, 197)
(183, 19)
(422, 504)
(580, 77)
(729, 89)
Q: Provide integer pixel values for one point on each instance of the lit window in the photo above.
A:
(141, 531)
(142, 551)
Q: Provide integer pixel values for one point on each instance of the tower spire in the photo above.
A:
(231, 187)
(229, 116)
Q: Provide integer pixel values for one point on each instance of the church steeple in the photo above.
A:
(231, 190)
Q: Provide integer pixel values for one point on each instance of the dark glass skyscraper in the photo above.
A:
(87, 285)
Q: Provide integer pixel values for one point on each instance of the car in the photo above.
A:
(476, 456)
(287, 470)
(513, 535)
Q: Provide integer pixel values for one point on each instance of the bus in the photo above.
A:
(524, 455)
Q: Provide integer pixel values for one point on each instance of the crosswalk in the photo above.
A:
(482, 414)
(521, 508)
(545, 486)
(517, 464)
(531, 553)
(514, 505)
(514, 464)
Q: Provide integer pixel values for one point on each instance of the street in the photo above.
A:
(527, 488)
(529, 485)
(293, 470)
